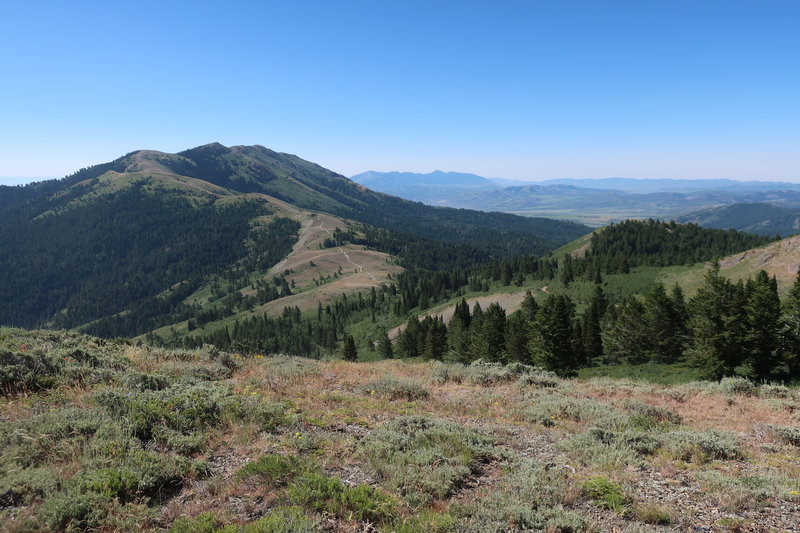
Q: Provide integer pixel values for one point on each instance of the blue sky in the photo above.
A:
(522, 90)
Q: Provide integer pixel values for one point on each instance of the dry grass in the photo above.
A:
(596, 427)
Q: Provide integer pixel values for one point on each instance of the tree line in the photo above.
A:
(726, 329)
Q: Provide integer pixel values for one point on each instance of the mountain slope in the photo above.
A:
(758, 218)
(780, 259)
(249, 169)
(125, 247)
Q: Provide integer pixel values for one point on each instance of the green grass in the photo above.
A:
(650, 372)
(570, 247)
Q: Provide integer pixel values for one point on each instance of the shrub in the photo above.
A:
(641, 442)
(429, 521)
(38, 360)
(72, 510)
(184, 408)
(487, 373)
(24, 486)
(526, 498)
(59, 434)
(775, 391)
(109, 483)
(737, 385)
(25, 371)
(284, 370)
(605, 493)
(539, 378)
(179, 442)
(203, 523)
(423, 458)
(738, 493)
(787, 434)
(701, 446)
(141, 381)
(327, 494)
(151, 474)
(646, 416)
(604, 449)
(445, 372)
(392, 388)
(548, 409)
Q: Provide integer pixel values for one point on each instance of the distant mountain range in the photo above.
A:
(592, 201)
(432, 188)
(642, 186)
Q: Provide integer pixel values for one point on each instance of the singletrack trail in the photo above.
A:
(346, 255)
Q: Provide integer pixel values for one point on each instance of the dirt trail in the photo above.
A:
(346, 255)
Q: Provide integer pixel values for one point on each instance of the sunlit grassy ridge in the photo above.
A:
(103, 435)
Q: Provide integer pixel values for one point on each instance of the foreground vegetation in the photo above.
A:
(100, 435)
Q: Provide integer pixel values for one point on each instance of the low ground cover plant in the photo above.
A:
(118, 437)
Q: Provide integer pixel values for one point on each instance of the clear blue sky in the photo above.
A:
(523, 90)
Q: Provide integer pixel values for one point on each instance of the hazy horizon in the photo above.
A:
(24, 180)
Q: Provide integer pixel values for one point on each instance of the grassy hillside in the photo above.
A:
(780, 259)
(97, 435)
(758, 218)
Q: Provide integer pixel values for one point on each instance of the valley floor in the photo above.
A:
(103, 436)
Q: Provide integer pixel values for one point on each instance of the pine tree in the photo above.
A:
(790, 332)
(625, 338)
(349, 351)
(385, 346)
(435, 339)
(409, 342)
(462, 312)
(763, 312)
(591, 331)
(664, 326)
(517, 327)
(717, 325)
(458, 341)
(551, 336)
(529, 307)
(489, 338)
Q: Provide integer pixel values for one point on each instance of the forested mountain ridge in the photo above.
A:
(255, 169)
(124, 247)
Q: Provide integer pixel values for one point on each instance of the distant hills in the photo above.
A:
(642, 186)
(758, 218)
(431, 188)
(591, 201)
